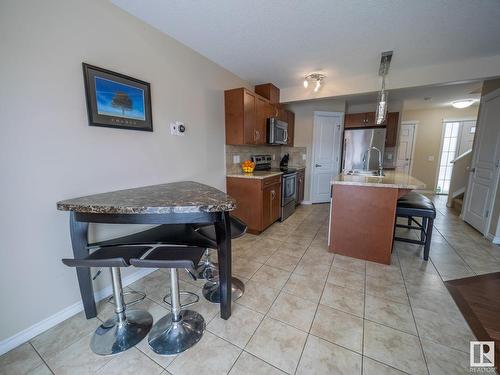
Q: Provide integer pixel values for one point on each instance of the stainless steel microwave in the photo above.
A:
(277, 131)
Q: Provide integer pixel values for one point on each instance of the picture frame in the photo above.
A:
(115, 100)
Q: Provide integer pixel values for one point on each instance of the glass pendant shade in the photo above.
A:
(381, 111)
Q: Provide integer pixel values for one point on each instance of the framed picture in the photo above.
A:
(117, 101)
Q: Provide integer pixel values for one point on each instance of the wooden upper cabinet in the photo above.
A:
(370, 119)
(242, 127)
(263, 111)
(391, 135)
(354, 120)
(269, 91)
(291, 127)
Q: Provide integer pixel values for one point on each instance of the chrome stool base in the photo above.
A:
(169, 337)
(211, 290)
(113, 337)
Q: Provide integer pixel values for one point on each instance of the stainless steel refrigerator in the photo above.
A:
(358, 153)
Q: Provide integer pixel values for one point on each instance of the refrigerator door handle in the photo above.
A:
(345, 152)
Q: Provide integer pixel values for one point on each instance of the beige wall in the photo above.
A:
(48, 151)
(303, 136)
(428, 139)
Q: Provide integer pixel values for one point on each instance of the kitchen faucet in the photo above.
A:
(380, 167)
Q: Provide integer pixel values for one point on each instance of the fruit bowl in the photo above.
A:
(247, 166)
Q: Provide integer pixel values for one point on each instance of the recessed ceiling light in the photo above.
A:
(463, 103)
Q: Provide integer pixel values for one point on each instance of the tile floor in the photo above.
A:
(304, 311)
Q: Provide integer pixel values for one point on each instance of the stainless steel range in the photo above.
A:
(288, 182)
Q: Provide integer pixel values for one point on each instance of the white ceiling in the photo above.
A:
(415, 97)
(281, 40)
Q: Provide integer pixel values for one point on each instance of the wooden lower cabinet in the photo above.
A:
(301, 179)
(258, 201)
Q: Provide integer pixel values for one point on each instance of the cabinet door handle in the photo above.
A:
(273, 195)
(318, 165)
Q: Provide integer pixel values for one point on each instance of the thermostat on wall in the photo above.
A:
(177, 128)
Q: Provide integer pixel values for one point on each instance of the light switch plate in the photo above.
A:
(431, 158)
(389, 156)
(236, 159)
(303, 156)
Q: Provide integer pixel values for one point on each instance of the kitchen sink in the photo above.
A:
(365, 173)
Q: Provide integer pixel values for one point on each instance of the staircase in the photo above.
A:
(459, 180)
(457, 203)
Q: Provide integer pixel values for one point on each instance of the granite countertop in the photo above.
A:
(391, 179)
(258, 175)
(176, 197)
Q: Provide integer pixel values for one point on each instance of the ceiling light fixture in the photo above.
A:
(463, 103)
(317, 78)
(383, 96)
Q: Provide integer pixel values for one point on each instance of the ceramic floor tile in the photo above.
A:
(296, 250)
(346, 278)
(307, 287)
(77, 359)
(249, 364)
(245, 268)
(211, 355)
(130, 362)
(20, 360)
(389, 273)
(40, 370)
(278, 344)
(344, 299)
(386, 289)
(293, 310)
(63, 335)
(371, 367)
(442, 360)
(323, 357)
(390, 313)
(311, 265)
(283, 261)
(339, 328)
(271, 277)
(444, 329)
(350, 264)
(395, 348)
(258, 297)
(239, 328)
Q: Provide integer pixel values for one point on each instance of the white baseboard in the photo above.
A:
(424, 191)
(493, 238)
(306, 202)
(37, 328)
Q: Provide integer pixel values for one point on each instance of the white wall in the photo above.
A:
(48, 151)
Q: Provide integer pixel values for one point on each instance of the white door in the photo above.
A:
(326, 153)
(405, 148)
(484, 172)
(467, 133)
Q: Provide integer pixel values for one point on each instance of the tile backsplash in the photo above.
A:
(244, 153)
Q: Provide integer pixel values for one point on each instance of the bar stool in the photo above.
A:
(128, 327)
(209, 270)
(417, 205)
(180, 329)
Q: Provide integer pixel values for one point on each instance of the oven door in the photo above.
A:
(289, 189)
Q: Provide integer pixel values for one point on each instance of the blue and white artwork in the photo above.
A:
(119, 100)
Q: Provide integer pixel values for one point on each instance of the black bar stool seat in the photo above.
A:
(180, 329)
(414, 205)
(128, 327)
(209, 270)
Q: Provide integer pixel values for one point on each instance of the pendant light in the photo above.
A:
(383, 95)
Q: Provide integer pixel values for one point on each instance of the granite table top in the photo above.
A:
(176, 197)
(391, 179)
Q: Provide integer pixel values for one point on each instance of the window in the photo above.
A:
(457, 139)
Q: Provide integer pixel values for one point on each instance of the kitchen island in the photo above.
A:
(363, 213)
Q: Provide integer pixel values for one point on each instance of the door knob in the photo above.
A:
(318, 165)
